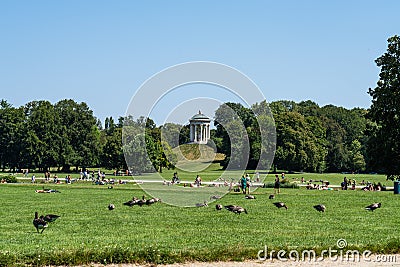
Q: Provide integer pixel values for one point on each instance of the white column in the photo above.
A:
(201, 132)
(191, 132)
(204, 136)
(195, 133)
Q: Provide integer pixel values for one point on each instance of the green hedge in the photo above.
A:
(9, 179)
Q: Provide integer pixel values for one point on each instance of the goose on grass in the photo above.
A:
(235, 209)
(280, 205)
(51, 217)
(320, 208)
(39, 222)
(204, 204)
(373, 206)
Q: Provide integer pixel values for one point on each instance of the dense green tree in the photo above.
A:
(42, 137)
(12, 123)
(385, 111)
(262, 136)
(237, 118)
(357, 158)
(136, 155)
(112, 156)
(184, 134)
(81, 135)
(170, 133)
(298, 148)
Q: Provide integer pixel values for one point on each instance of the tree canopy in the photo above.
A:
(384, 132)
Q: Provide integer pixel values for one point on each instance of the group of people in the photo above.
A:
(175, 180)
(245, 183)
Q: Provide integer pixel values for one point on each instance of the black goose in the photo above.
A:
(130, 203)
(280, 205)
(239, 210)
(249, 197)
(141, 202)
(272, 196)
(39, 222)
(230, 207)
(320, 207)
(152, 200)
(111, 207)
(51, 217)
(373, 206)
(204, 204)
(218, 207)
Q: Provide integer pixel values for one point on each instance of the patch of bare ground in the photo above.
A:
(373, 260)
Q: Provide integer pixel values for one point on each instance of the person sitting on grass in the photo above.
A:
(197, 181)
(175, 178)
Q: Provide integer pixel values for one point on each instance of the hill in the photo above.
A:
(196, 157)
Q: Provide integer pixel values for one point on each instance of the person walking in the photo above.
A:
(243, 183)
(248, 183)
(277, 184)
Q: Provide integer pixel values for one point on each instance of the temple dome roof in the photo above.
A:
(200, 117)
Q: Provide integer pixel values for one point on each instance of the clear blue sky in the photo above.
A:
(100, 52)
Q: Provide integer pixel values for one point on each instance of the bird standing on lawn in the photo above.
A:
(280, 205)
(111, 207)
(320, 207)
(235, 209)
(204, 204)
(373, 206)
(39, 222)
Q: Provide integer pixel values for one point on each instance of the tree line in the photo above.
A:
(66, 135)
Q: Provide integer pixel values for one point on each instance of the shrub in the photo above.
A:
(285, 185)
(9, 179)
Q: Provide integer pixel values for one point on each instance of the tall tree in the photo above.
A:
(12, 128)
(43, 134)
(81, 145)
(385, 109)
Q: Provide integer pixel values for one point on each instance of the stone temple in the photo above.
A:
(199, 128)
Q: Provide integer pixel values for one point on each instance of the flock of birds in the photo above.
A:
(42, 222)
(238, 209)
(136, 201)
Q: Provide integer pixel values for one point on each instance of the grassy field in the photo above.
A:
(213, 172)
(88, 232)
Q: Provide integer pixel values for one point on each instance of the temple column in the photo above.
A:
(201, 132)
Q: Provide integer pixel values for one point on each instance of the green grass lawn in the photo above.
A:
(212, 172)
(88, 232)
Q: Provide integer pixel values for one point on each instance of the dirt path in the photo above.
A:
(375, 260)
